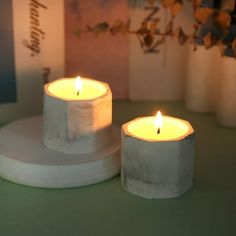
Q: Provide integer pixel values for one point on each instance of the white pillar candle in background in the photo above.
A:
(157, 157)
(226, 109)
(202, 79)
(77, 115)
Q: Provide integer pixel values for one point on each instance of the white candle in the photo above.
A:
(77, 115)
(74, 89)
(202, 79)
(226, 109)
(157, 164)
(171, 130)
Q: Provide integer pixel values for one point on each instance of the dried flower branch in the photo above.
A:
(212, 25)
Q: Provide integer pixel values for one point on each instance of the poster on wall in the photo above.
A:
(31, 53)
(7, 61)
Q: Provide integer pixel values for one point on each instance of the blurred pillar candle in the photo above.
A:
(202, 79)
(226, 109)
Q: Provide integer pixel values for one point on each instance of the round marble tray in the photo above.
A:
(25, 160)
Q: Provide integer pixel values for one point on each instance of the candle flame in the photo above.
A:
(78, 84)
(158, 122)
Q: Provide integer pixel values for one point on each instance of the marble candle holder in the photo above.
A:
(77, 126)
(74, 144)
(157, 169)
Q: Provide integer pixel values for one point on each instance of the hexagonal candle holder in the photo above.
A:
(81, 146)
(77, 115)
(157, 157)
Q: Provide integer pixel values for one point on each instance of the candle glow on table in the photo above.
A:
(76, 89)
(170, 128)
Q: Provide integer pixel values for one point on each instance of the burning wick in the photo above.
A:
(78, 85)
(158, 122)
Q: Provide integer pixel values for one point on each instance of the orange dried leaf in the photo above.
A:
(143, 29)
(207, 41)
(168, 3)
(176, 8)
(221, 20)
(222, 49)
(197, 2)
(169, 27)
(117, 26)
(201, 15)
(182, 37)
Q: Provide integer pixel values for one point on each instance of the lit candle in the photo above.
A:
(170, 128)
(158, 122)
(76, 88)
(77, 115)
(157, 156)
(78, 84)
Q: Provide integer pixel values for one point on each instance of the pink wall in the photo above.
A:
(104, 57)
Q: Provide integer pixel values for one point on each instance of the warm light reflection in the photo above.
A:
(144, 128)
(66, 88)
(78, 85)
(158, 122)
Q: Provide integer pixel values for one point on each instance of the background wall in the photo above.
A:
(118, 59)
(158, 76)
(104, 57)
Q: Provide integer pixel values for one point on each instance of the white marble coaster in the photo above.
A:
(25, 160)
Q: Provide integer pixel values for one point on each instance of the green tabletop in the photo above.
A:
(209, 208)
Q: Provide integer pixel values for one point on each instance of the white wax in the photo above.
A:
(77, 123)
(172, 129)
(66, 89)
(226, 109)
(202, 79)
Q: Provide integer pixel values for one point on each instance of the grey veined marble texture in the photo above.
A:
(156, 170)
(81, 126)
(25, 160)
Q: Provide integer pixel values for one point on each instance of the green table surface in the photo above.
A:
(209, 208)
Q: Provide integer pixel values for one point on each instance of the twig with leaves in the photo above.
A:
(212, 25)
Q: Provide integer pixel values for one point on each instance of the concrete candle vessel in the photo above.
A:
(74, 124)
(157, 168)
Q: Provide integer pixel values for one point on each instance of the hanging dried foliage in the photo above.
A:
(217, 16)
